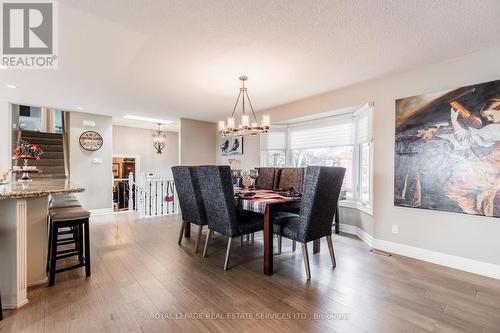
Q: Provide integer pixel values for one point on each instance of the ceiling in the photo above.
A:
(171, 59)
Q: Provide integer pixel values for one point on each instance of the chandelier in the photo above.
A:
(229, 128)
(159, 139)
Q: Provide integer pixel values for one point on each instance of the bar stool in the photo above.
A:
(77, 220)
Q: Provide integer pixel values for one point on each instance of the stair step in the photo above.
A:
(47, 162)
(51, 176)
(52, 148)
(43, 141)
(52, 155)
(40, 135)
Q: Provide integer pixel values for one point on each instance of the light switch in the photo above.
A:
(89, 123)
(97, 161)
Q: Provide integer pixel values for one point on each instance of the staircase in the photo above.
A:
(51, 163)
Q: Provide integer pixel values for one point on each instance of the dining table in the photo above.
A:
(268, 202)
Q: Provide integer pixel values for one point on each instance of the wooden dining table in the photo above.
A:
(267, 202)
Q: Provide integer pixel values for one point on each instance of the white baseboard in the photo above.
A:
(37, 283)
(439, 258)
(102, 211)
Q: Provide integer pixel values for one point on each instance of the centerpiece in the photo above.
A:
(27, 151)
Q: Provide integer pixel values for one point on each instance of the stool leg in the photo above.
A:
(49, 247)
(79, 244)
(87, 247)
(53, 253)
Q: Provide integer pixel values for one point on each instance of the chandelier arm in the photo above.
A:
(236, 104)
(251, 107)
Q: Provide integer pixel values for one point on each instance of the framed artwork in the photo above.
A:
(447, 150)
(231, 145)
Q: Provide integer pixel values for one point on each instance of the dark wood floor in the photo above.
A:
(141, 277)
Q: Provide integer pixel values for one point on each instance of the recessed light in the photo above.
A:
(79, 108)
(11, 86)
(153, 120)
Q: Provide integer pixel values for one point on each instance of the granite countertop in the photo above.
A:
(37, 188)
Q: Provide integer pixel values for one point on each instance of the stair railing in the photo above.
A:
(155, 196)
(65, 144)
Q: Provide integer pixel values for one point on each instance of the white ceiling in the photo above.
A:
(167, 59)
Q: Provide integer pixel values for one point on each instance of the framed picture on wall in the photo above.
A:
(231, 145)
(447, 150)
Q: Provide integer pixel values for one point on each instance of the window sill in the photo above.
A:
(356, 205)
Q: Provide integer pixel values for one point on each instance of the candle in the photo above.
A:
(266, 121)
(245, 120)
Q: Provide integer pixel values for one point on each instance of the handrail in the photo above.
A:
(65, 145)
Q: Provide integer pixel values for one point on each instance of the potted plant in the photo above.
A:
(27, 151)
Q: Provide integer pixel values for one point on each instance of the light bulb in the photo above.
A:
(222, 125)
(245, 120)
(266, 121)
(230, 122)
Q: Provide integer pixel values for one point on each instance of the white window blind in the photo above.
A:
(332, 132)
(275, 139)
(363, 127)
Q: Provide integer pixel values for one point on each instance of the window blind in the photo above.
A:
(363, 127)
(275, 139)
(325, 133)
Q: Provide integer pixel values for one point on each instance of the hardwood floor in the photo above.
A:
(140, 277)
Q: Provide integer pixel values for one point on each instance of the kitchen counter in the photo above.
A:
(23, 235)
(37, 188)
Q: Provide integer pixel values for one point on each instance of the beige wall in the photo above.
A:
(197, 142)
(251, 153)
(461, 235)
(5, 136)
(139, 141)
(95, 178)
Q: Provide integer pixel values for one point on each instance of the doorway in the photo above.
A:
(124, 167)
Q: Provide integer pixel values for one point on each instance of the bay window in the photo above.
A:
(339, 140)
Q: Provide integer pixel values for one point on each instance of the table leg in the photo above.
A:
(187, 229)
(337, 220)
(268, 242)
(316, 246)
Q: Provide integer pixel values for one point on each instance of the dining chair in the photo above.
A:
(190, 201)
(291, 178)
(319, 201)
(223, 216)
(266, 179)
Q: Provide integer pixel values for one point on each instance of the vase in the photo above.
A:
(25, 177)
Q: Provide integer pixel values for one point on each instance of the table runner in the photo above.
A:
(258, 203)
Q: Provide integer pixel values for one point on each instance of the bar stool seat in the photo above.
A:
(77, 220)
(65, 204)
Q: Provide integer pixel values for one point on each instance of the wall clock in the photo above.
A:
(91, 141)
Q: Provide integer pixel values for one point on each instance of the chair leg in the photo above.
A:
(294, 246)
(182, 232)
(253, 238)
(53, 250)
(280, 240)
(306, 260)
(226, 262)
(198, 237)
(49, 247)
(87, 247)
(330, 247)
(209, 234)
(241, 241)
(248, 237)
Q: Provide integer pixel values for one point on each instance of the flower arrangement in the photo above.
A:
(28, 151)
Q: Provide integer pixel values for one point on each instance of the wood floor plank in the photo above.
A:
(142, 281)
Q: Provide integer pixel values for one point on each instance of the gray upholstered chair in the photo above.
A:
(267, 178)
(291, 178)
(190, 201)
(319, 201)
(222, 214)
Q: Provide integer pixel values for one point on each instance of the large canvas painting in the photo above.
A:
(231, 145)
(447, 150)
